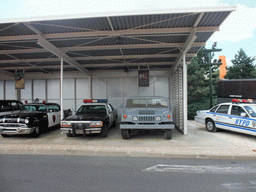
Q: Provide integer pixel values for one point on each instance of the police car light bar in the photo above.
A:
(95, 100)
(242, 101)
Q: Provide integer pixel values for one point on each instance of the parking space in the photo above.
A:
(197, 144)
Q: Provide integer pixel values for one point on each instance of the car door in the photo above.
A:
(53, 115)
(221, 116)
(238, 121)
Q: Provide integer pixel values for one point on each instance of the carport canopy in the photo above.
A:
(116, 41)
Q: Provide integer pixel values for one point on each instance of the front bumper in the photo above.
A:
(13, 129)
(83, 131)
(199, 119)
(146, 126)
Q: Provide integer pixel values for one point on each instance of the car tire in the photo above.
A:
(69, 135)
(168, 134)
(4, 135)
(104, 131)
(210, 126)
(125, 133)
(36, 132)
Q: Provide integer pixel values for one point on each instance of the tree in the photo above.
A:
(198, 84)
(242, 68)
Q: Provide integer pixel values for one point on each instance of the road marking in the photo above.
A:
(250, 185)
(213, 169)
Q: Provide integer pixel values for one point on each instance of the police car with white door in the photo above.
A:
(33, 118)
(94, 116)
(238, 115)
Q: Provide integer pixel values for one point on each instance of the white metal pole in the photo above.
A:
(61, 89)
(185, 97)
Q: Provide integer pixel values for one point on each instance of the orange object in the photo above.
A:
(168, 116)
(223, 67)
(125, 116)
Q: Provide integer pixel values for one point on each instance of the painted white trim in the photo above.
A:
(118, 14)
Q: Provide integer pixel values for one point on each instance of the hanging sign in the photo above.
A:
(143, 76)
(19, 81)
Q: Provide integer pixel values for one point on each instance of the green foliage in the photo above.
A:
(198, 84)
(242, 68)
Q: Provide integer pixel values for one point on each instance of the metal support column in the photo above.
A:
(185, 97)
(61, 89)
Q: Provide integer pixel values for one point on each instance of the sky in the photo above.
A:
(237, 31)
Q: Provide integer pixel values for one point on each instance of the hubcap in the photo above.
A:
(37, 130)
(210, 125)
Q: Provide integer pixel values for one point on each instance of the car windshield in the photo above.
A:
(251, 109)
(34, 108)
(146, 103)
(91, 109)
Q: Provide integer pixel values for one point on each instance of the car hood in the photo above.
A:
(86, 117)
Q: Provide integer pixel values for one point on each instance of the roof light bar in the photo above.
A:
(95, 100)
(242, 101)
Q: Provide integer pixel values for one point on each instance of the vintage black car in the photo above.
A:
(10, 106)
(32, 119)
(95, 116)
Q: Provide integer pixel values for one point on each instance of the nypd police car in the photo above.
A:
(32, 119)
(238, 115)
(94, 116)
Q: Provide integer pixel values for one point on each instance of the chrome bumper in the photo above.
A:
(147, 126)
(10, 130)
(80, 131)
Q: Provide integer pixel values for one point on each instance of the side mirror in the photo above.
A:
(243, 114)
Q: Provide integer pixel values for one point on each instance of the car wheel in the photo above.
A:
(4, 135)
(104, 131)
(210, 126)
(69, 135)
(168, 134)
(125, 133)
(36, 132)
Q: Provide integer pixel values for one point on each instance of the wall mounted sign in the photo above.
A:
(19, 81)
(143, 76)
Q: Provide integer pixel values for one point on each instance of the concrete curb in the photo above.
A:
(176, 152)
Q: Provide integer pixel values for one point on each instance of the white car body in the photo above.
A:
(238, 117)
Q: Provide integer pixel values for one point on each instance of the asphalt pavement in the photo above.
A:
(198, 143)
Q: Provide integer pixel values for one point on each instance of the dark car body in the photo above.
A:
(10, 106)
(32, 119)
(90, 118)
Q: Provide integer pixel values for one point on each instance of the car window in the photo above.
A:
(53, 108)
(223, 109)
(14, 105)
(5, 106)
(214, 108)
(91, 109)
(147, 103)
(251, 109)
(237, 110)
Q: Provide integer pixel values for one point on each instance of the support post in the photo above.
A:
(61, 89)
(185, 97)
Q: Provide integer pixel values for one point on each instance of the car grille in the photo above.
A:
(12, 125)
(146, 118)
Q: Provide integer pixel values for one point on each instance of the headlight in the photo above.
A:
(135, 118)
(158, 118)
(65, 124)
(96, 124)
(26, 121)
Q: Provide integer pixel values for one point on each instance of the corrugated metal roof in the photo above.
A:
(111, 41)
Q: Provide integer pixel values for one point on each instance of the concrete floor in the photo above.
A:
(198, 143)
